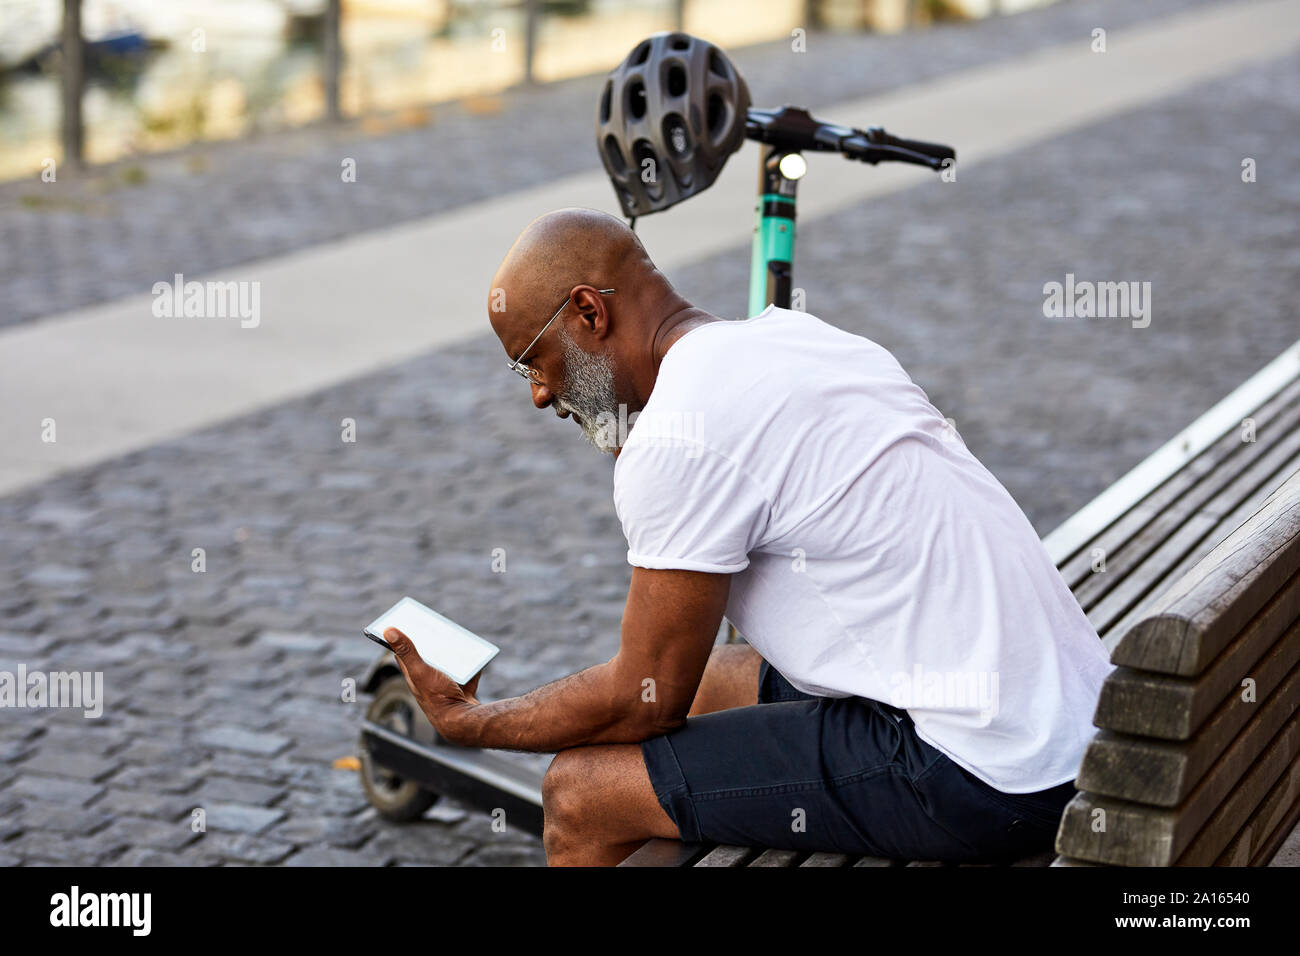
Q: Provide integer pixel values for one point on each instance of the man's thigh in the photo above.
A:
(831, 774)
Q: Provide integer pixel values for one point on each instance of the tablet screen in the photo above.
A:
(444, 644)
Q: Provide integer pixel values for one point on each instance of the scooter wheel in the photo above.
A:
(395, 798)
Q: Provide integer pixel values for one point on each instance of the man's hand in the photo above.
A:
(440, 697)
(645, 690)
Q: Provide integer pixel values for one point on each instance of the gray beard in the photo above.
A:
(589, 394)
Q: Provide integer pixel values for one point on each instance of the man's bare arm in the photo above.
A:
(646, 689)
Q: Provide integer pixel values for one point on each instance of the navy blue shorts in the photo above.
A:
(845, 775)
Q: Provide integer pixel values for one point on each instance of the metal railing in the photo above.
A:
(72, 60)
(334, 62)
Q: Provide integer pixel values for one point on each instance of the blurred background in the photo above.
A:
(272, 64)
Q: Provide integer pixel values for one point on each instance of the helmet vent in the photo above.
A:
(717, 64)
(641, 151)
(636, 105)
(640, 54)
(717, 115)
(605, 99)
(615, 155)
(676, 79)
(679, 42)
(675, 135)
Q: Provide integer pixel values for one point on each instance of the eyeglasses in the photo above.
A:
(523, 371)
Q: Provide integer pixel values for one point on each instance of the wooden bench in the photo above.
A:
(1198, 761)
(1189, 569)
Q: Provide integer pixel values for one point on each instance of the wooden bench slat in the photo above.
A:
(777, 858)
(1144, 559)
(1144, 569)
(1287, 835)
(1128, 834)
(665, 853)
(872, 861)
(1243, 847)
(827, 859)
(1078, 570)
(1254, 485)
(1275, 414)
(1173, 708)
(1184, 532)
(1139, 835)
(1263, 467)
(1226, 525)
(922, 863)
(1144, 562)
(1163, 772)
(1246, 798)
(1177, 544)
(728, 856)
(1198, 617)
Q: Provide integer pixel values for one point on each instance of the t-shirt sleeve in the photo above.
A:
(688, 507)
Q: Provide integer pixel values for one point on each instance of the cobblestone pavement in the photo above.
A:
(129, 225)
(223, 688)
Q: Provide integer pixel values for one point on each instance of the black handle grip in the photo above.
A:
(874, 145)
(933, 150)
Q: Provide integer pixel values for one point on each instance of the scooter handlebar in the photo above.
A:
(795, 129)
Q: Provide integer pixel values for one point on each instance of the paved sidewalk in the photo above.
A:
(223, 688)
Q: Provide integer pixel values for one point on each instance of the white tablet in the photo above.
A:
(444, 644)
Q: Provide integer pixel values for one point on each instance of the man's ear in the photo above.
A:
(593, 309)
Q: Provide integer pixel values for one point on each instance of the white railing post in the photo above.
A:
(333, 65)
(72, 83)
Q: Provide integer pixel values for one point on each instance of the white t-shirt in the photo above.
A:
(872, 555)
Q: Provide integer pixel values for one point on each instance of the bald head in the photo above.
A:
(602, 353)
(556, 252)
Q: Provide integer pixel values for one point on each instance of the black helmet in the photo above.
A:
(676, 100)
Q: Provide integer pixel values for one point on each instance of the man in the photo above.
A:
(918, 680)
